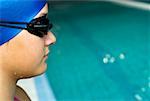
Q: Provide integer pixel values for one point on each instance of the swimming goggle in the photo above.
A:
(38, 26)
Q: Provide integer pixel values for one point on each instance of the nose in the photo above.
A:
(50, 39)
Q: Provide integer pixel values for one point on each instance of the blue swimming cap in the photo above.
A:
(17, 11)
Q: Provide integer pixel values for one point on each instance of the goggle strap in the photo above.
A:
(3, 25)
(9, 22)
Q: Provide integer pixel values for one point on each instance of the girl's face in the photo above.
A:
(23, 56)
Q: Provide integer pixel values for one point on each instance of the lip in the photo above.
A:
(46, 55)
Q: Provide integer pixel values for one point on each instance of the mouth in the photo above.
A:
(46, 55)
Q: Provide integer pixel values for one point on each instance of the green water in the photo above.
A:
(85, 33)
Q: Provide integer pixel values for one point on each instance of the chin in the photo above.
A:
(39, 71)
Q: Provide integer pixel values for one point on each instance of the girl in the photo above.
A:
(24, 42)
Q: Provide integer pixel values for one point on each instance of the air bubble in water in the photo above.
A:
(138, 97)
(112, 60)
(105, 60)
(122, 56)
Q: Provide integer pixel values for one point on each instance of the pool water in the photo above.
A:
(101, 53)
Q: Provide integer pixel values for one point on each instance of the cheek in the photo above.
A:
(32, 53)
(27, 53)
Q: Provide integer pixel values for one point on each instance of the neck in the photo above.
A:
(7, 87)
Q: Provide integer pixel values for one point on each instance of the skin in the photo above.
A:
(22, 57)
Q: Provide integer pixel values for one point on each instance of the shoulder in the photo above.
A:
(21, 94)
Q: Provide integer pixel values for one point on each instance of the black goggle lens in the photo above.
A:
(39, 26)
